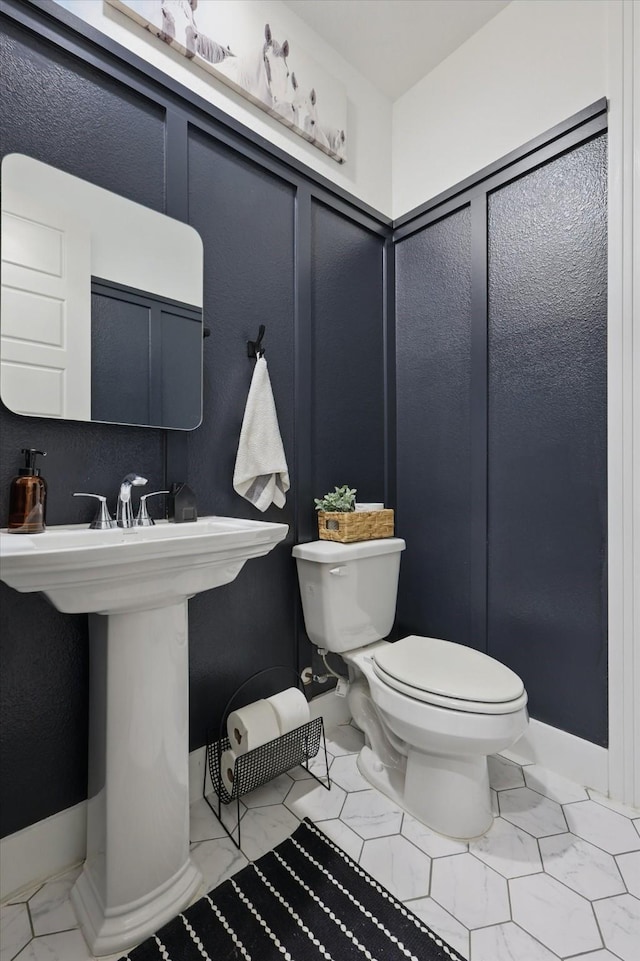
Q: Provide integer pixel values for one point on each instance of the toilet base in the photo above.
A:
(450, 795)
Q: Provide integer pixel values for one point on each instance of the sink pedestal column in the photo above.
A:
(138, 873)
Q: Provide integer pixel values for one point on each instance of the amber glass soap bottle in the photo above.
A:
(28, 497)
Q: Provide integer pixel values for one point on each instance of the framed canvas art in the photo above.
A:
(233, 43)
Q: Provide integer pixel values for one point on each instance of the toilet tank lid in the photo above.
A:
(331, 552)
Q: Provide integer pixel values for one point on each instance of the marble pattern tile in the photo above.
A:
(344, 771)
(469, 890)
(316, 764)
(308, 799)
(15, 930)
(68, 946)
(507, 942)
(273, 792)
(23, 895)
(508, 850)
(435, 845)
(603, 955)
(371, 814)
(203, 824)
(345, 739)
(552, 785)
(217, 860)
(559, 918)
(264, 827)
(441, 923)
(399, 866)
(532, 812)
(503, 773)
(606, 829)
(629, 867)
(581, 866)
(619, 920)
(468, 881)
(50, 907)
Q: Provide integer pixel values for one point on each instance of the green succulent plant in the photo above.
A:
(342, 499)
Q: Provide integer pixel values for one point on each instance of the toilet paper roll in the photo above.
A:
(291, 709)
(251, 726)
(227, 769)
(369, 507)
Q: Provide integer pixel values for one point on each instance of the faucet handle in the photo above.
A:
(143, 519)
(103, 520)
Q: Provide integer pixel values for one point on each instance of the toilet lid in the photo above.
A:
(431, 666)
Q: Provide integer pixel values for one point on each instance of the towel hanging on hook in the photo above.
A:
(254, 347)
(261, 474)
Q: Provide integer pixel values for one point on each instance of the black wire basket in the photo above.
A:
(263, 763)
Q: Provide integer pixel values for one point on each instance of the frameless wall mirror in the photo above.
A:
(101, 305)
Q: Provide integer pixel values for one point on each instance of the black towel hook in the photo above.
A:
(254, 347)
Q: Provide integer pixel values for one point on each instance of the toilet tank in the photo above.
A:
(348, 591)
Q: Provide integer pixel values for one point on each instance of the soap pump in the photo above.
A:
(28, 497)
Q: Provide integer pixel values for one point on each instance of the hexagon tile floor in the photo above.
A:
(557, 876)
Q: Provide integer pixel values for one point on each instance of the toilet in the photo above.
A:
(431, 710)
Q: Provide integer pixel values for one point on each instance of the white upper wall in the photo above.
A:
(367, 172)
(535, 64)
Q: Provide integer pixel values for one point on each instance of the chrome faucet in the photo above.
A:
(124, 512)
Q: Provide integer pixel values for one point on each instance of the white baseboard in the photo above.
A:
(48, 847)
(43, 849)
(572, 757)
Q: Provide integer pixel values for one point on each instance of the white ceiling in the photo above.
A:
(394, 43)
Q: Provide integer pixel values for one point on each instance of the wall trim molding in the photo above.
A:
(572, 757)
(56, 843)
(624, 401)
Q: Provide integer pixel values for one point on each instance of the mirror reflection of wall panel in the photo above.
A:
(145, 357)
(180, 335)
(119, 358)
(45, 339)
(58, 233)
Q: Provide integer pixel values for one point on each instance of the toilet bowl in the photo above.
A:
(431, 710)
(446, 782)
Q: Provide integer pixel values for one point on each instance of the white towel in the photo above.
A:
(261, 473)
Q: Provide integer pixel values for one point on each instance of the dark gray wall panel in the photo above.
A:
(63, 114)
(347, 424)
(547, 437)
(433, 398)
(245, 217)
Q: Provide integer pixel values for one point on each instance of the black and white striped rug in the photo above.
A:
(304, 901)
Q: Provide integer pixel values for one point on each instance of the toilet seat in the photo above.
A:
(449, 675)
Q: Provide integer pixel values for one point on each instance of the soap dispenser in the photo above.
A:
(28, 497)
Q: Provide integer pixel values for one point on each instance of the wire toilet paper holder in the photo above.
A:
(263, 763)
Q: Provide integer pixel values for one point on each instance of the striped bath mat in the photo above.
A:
(304, 901)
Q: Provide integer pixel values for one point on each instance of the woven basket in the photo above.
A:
(353, 526)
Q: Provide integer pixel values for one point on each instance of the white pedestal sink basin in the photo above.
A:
(135, 585)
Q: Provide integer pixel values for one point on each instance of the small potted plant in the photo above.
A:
(338, 519)
(342, 500)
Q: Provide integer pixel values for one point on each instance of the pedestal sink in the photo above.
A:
(135, 585)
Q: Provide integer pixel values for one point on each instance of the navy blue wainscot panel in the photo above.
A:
(547, 437)
(65, 114)
(245, 216)
(348, 356)
(433, 372)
